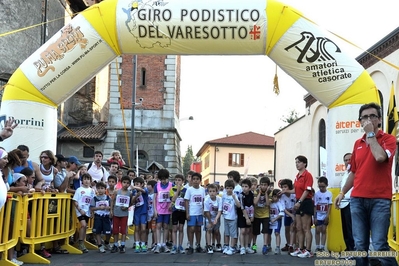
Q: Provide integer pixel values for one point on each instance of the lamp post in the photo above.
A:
(133, 112)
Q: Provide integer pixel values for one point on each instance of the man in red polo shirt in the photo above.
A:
(371, 179)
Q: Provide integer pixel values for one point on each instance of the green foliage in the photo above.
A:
(188, 159)
(291, 117)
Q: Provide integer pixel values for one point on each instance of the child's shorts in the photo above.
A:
(178, 217)
(195, 220)
(214, 228)
(102, 224)
(257, 223)
(230, 228)
(163, 218)
(140, 219)
(276, 230)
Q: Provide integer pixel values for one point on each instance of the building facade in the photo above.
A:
(248, 153)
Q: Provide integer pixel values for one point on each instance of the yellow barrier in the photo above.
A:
(11, 216)
(52, 219)
(393, 228)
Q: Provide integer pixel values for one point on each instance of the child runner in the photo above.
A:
(212, 213)
(120, 212)
(245, 216)
(276, 215)
(101, 206)
(140, 200)
(162, 209)
(194, 203)
(322, 202)
(230, 203)
(178, 213)
(82, 199)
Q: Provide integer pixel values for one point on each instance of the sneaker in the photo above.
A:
(114, 249)
(254, 247)
(285, 248)
(169, 244)
(153, 247)
(199, 249)
(44, 253)
(305, 254)
(157, 249)
(242, 251)
(144, 248)
(229, 251)
(225, 248)
(190, 251)
(107, 247)
(174, 250)
(101, 249)
(218, 248)
(181, 250)
(165, 249)
(277, 251)
(137, 248)
(18, 262)
(296, 252)
(82, 247)
(209, 249)
(122, 249)
(249, 250)
(290, 249)
(264, 250)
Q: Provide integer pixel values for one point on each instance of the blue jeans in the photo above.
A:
(371, 215)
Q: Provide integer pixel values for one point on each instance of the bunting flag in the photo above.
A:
(276, 88)
(392, 115)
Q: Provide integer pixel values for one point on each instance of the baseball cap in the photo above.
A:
(74, 159)
(61, 158)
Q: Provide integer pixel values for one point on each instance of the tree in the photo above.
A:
(188, 159)
(291, 117)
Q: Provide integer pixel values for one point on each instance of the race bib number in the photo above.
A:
(227, 207)
(139, 201)
(122, 201)
(262, 201)
(86, 200)
(102, 203)
(250, 211)
(163, 196)
(322, 207)
(197, 199)
(273, 212)
(179, 204)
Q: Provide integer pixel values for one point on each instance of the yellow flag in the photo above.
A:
(392, 115)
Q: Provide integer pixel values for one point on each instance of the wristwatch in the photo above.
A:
(299, 201)
(370, 135)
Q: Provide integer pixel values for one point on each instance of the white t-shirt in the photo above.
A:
(322, 201)
(276, 209)
(346, 200)
(288, 202)
(213, 207)
(229, 207)
(196, 197)
(83, 196)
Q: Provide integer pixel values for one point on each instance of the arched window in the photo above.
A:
(322, 133)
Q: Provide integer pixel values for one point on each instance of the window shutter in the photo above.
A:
(242, 159)
(230, 159)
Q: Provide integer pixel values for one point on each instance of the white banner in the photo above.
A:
(186, 27)
(309, 55)
(343, 129)
(36, 128)
(66, 61)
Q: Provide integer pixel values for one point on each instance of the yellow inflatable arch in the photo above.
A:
(220, 27)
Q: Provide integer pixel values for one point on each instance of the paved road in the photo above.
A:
(94, 258)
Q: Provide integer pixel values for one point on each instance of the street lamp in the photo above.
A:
(186, 118)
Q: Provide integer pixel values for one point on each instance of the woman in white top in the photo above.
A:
(47, 169)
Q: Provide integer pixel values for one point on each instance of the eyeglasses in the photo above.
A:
(366, 117)
(44, 157)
